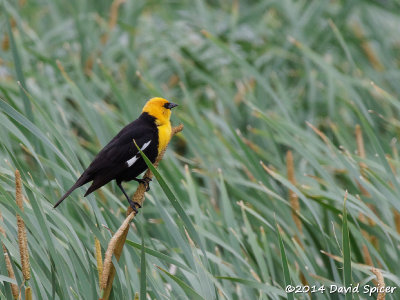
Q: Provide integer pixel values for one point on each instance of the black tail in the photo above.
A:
(81, 181)
(98, 182)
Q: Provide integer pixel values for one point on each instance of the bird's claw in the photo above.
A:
(135, 206)
(146, 182)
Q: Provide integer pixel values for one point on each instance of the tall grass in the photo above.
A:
(254, 80)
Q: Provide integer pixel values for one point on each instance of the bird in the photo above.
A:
(120, 159)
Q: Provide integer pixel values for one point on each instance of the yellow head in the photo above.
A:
(160, 109)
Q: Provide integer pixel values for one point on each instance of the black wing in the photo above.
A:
(120, 149)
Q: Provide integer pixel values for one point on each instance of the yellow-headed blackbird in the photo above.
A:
(120, 159)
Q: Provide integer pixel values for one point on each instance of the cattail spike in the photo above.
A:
(381, 284)
(22, 238)
(293, 198)
(99, 258)
(10, 271)
(2, 230)
(397, 219)
(28, 293)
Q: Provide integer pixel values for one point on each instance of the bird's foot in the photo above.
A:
(134, 206)
(146, 182)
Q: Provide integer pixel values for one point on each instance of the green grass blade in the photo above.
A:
(346, 251)
(20, 74)
(271, 290)
(286, 273)
(7, 279)
(187, 289)
(159, 255)
(143, 278)
(171, 197)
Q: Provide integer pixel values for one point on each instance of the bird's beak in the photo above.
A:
(171, 105)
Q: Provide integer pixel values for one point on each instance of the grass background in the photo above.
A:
(247, 75)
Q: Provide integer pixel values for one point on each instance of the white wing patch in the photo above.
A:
(131, 161)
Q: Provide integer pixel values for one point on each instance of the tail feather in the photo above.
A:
(90, 190)
(98, 182)
(81, 181)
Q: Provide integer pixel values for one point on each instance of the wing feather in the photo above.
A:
(132, 160)
(116, 154)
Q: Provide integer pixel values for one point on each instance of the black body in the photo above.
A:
(111, 162)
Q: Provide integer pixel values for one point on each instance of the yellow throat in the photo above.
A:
(155, 108)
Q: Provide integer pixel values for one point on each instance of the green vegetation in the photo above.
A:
(254, 79)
